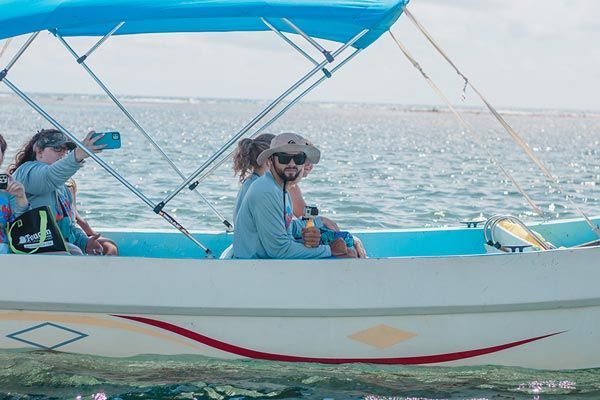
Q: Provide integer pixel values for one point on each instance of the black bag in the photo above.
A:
(35, 231)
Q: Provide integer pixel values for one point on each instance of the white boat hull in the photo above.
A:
(536, 310)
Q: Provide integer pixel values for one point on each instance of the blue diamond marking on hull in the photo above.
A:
(79, 336)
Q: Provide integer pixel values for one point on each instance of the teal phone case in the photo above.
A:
(112, 140)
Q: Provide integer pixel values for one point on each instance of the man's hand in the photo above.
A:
(93, 247)
(311, 236)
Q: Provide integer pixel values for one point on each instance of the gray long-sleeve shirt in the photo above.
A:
(242, 193)
(261, 230)
(45, 186)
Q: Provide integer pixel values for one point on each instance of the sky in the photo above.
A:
(536, 54)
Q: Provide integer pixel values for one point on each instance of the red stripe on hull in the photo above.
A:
(259, 355)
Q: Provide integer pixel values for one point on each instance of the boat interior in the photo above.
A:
(434, 242)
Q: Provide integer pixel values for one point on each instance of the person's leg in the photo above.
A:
(360, 248)
(110, 247)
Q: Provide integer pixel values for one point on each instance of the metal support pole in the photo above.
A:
(12, 62)
(276, 117)
(294, 45)
(249, 126)
(106, 90)
(103, 164)
(99, 43)
(6, 44)
(330, 57)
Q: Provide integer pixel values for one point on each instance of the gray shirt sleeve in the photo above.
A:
(273, 235)
(40, 178)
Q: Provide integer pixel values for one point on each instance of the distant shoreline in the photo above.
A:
(408, 108)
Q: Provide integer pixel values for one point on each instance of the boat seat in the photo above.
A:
(508, 234)
(227, 253)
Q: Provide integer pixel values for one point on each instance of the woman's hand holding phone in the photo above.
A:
(90, 143)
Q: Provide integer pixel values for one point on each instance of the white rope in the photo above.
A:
(6, 44)
(466, 125)
(515, 136)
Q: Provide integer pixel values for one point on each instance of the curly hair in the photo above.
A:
(246, 153)
(27, 151)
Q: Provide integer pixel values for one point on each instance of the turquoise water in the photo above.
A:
(383, 166)
(42, 375)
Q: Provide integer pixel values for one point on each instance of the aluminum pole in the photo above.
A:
(276, 117)
(103, 164)
(310, 40)
(249, 126)
(99, 43)
(108, 92)
(12, 62)
(294, 45)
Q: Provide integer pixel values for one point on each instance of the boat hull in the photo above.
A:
(536, 310)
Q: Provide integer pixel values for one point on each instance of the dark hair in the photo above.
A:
(3, 144)
(246, 153)
(27, 151)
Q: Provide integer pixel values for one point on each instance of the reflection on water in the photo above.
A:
(56, 375)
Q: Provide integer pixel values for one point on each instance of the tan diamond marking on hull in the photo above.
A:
(382, 336)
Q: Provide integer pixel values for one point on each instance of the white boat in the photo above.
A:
(452, 296)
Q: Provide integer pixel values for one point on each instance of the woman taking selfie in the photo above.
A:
(43, 165)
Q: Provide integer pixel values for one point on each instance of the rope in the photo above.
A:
(514, 135)
(6, 44)
(466, 125)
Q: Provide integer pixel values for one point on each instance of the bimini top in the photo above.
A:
(337, 20)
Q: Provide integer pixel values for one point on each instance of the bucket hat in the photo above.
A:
(290, 143)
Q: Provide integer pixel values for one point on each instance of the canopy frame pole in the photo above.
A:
(512, 133)
(104, 38)
(330, 57)
(18, 55)
(294, 45)
(103, 164)
(276, 117)
(252, 123)
(108, 92)
(5, 47)
(467, 126)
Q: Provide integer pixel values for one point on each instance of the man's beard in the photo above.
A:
(284, 177)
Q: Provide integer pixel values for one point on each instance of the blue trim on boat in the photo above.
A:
(455, 241)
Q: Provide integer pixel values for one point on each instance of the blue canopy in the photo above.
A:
(337, 20)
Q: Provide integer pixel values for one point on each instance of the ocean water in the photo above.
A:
(383, 166)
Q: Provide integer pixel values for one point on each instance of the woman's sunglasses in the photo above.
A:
(59, 149)
(285, 158)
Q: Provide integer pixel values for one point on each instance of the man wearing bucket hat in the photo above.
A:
(264, 224)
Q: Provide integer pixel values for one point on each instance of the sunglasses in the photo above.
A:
(285, 158)
(58, 149)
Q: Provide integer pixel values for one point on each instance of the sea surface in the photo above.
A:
(383, 166)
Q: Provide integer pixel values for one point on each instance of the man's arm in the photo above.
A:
(272, 233)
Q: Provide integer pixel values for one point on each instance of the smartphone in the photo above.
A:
(112, 140)
(3, 181)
